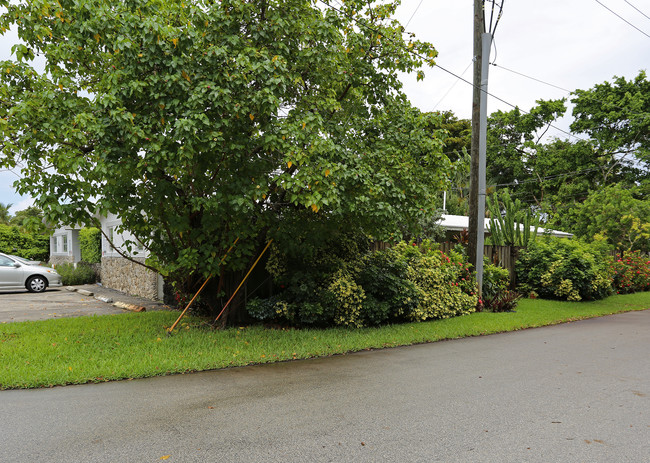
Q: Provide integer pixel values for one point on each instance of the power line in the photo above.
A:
(531, 78)
(621, 17)
(493, 27)
(590, 97)
(453, 85)
(413, 15)
(637, 9)
(367, 27)
(540, 179)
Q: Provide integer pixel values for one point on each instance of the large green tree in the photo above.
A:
(513, 138)
(616, 117)
(610, 147)
(201, 122)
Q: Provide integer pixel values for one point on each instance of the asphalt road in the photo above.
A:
(577, 392)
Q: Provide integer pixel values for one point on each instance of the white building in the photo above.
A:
(119, 268)
(64, 246)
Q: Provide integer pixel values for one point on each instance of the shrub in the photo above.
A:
(402, 283)
(390, 295)
(496, 296)
(504, 301)
(79, 275)
(90, 242)
(27, 245)
(631, 272)
(445, 285)
(495, 279)
(563, 269)
(346, 297)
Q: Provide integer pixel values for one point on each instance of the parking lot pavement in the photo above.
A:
(17, 306)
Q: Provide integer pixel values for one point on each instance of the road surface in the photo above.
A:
(578, 392)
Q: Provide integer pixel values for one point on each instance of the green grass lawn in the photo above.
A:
(93, 349)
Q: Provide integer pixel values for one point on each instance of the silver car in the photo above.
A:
(18, 273)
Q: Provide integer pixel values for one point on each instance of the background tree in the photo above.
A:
(457, 133)
(616, 117)
(30, 219)
(5, 215)
(556, 176)
(513, 139)
(614, 214)
(202, 122)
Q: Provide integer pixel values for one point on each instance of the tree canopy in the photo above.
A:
(616, 118)
(609, 146)
(30, 219)
(615, 215)
(513, 138)
(200, 122)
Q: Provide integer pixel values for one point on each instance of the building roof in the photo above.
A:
(461, 222)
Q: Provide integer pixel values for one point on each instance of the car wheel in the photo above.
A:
(36, 284)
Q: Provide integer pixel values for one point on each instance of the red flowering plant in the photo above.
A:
(454, 265)
(630, 272)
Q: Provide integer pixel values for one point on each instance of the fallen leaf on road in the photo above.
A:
(164, 457)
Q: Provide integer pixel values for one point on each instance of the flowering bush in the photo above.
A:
(407, 282)
(444, 282)
(631, 272)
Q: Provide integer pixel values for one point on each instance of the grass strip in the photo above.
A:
(111, 347)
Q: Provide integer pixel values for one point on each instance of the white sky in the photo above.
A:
(569, 43)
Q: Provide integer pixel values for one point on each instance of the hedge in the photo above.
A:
(90, 242)
(27, 245)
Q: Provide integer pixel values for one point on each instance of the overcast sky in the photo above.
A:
(572, 44)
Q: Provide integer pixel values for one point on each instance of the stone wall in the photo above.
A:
(58, 260)
(128, 277)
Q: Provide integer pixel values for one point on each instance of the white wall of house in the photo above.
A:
(121, 273)
(64, 245)
(111, 228)
(116, 272)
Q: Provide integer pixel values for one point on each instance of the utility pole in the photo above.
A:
(482, 45)
(472, 249)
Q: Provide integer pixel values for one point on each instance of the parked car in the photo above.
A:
(17, 273)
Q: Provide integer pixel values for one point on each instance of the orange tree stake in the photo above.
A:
(242, 282)
(200, 289)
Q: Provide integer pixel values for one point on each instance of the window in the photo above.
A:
(6, 262)
(55, 244)
(65, 243)
(111, 237)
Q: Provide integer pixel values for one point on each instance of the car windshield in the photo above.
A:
(23, 260)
